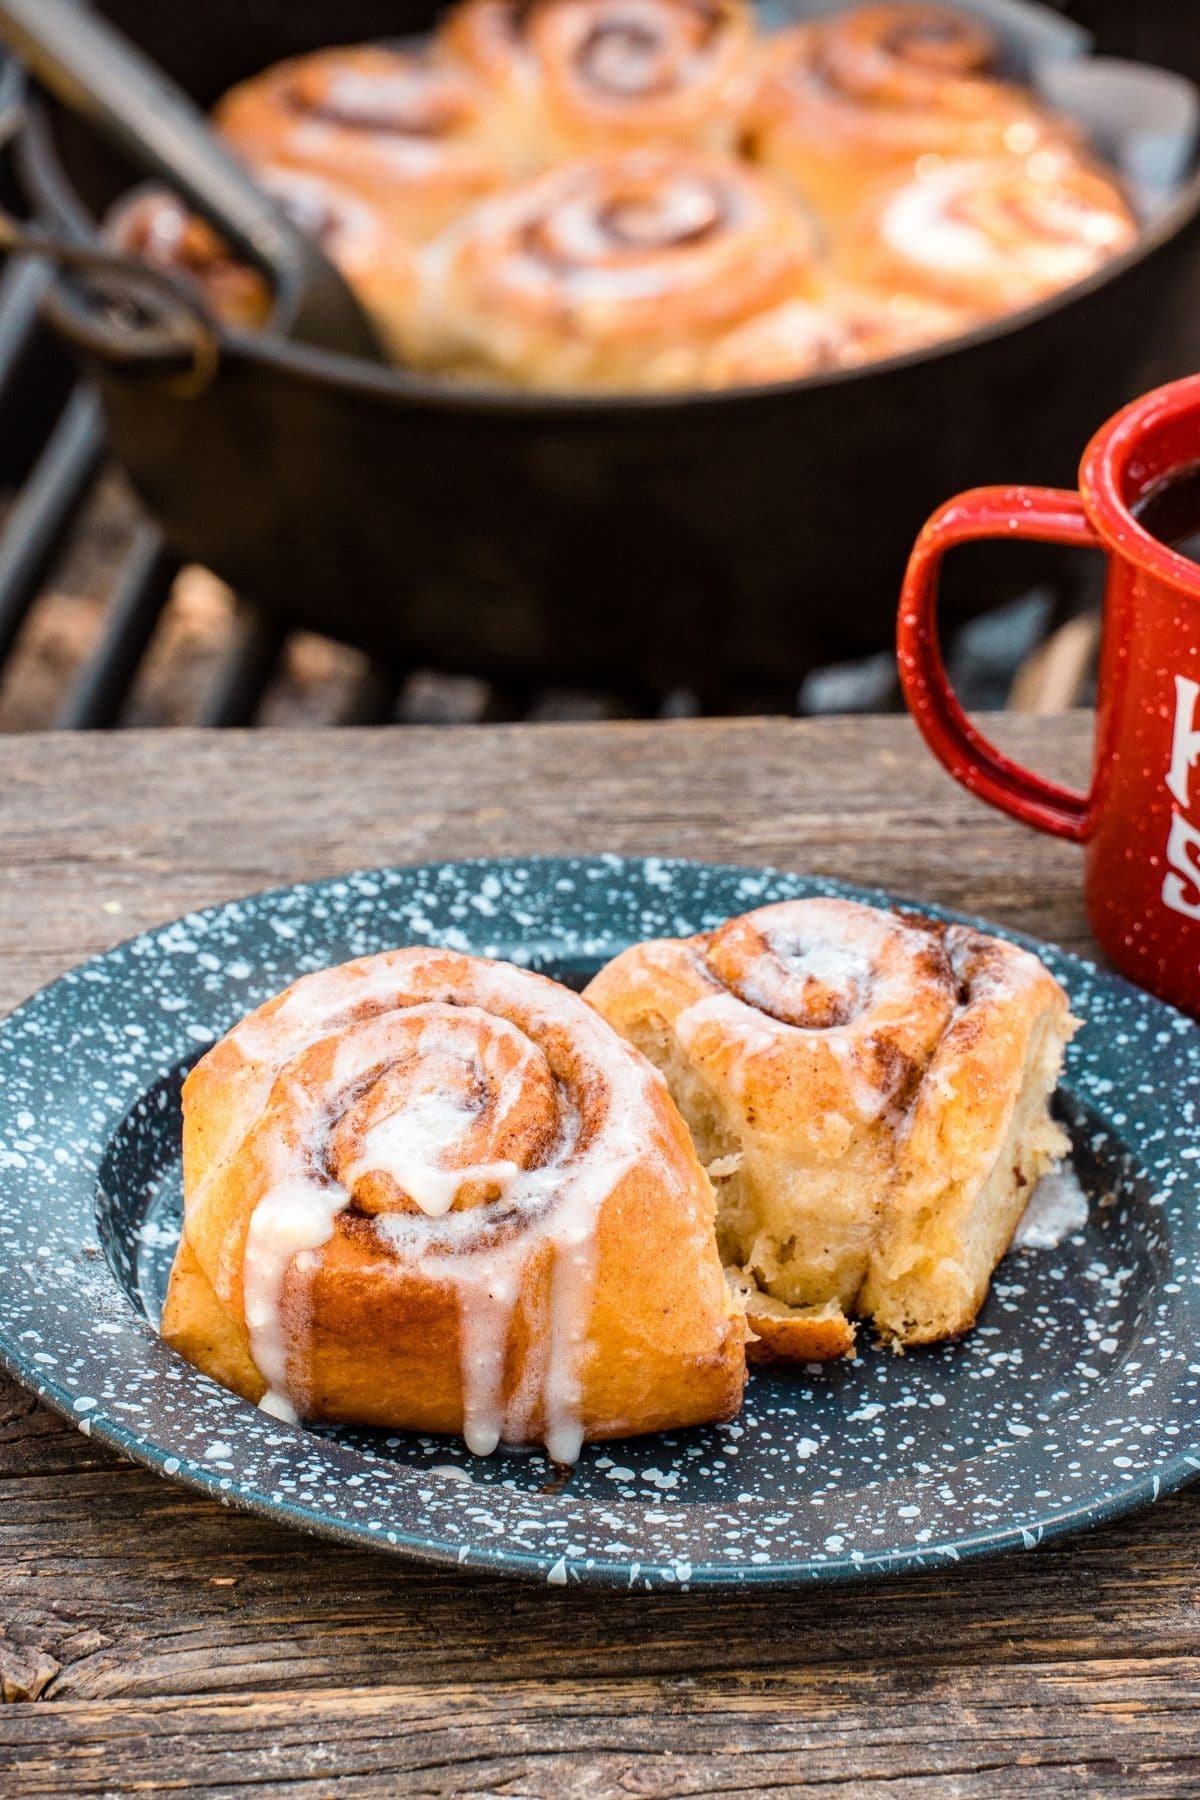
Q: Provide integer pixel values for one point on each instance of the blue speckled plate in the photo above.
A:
(1077, 1396)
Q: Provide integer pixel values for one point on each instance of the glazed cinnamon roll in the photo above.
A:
(375, 259)
(848, 100)
(424, 1190)
(621, 272)
(870, 1094)
(989, 236)
(410, 131)
(597, 75)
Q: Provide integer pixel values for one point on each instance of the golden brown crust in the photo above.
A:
(869, 1093)
(782, 1333)
(503, 199)
(155, 225)
(422, 1191)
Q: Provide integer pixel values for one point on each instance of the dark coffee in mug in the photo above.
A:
(1170, 511)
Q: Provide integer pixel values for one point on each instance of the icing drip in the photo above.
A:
(481, 1119)
(1058, 1208)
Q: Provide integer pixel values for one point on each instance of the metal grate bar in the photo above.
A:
(246, 674)
(44, 510)
(141, 591)
(507, 704)
(23, 286)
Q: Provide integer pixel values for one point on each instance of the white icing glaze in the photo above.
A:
(1057, 1209)
(409, 1145)
(333, 214)
(916, 224)
(801, 957)
(558, 1202)
(932, 221)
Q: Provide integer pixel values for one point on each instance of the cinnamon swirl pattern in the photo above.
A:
(411, 132)
(593, 75)
(849, 100)
(990, 236)
(870, 1094)
(424, 1190)
(622, 272)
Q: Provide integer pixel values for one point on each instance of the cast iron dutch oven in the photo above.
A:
(727, 541)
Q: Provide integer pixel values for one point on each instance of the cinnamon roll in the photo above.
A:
(621, 272)
(375, 259)
(410, 131)
(846, 101)
(870, 1094)
(424, 1190)
(989, 236)
(596, 75)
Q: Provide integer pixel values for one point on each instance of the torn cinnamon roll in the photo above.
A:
(870, 1094)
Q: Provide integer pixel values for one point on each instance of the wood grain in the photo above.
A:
(156, 1643)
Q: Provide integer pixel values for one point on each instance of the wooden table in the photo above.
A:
(162, 1644)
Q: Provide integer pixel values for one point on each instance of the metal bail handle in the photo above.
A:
(133, 316)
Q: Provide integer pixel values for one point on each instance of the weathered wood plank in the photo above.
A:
(154, 824)
(138, 1590)
(1059, 1730)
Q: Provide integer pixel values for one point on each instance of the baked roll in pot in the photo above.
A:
(846, 101)
(618, 272)
(583, 76)
(415, 134)
(424, 1190)
(987, 236)
(869, 1093)
(837, 326)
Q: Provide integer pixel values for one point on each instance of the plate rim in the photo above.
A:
(1177, 1470)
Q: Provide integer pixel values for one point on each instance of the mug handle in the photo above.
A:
(1048, 516)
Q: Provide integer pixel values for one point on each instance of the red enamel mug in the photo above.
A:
(1140, 819)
